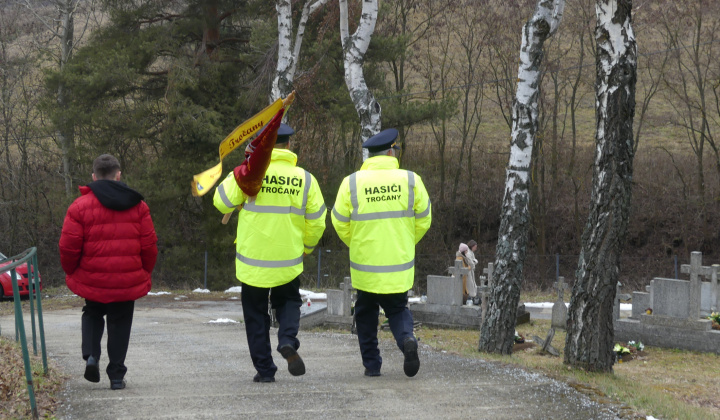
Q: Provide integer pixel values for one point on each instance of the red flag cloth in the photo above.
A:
(249, 175)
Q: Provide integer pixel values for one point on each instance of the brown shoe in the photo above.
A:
(296, 366)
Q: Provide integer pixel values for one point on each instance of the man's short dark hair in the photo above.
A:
(106, 166)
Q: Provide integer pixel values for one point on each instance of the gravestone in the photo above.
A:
(559, 310)
(484, 289)
(489, 274)
(545, 345)
(447, 290)
(339, 302)
(335, 302)
(675, 320)
(671, 298)
(641, 302)
(445, 307)
(696, 269)
(618, 297)
(709, 292)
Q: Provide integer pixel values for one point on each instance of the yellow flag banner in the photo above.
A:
(204, 181)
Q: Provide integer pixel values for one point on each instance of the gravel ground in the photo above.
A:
(181, 366)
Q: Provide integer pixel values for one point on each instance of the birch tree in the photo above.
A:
(590, 337)
(354, 48)
(498, 329)
(289, 50)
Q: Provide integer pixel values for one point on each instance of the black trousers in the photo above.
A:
(119, 322)
(286, 301)
(367, 310)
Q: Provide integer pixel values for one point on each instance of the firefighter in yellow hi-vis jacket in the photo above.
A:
(276, 229)
(381, 212)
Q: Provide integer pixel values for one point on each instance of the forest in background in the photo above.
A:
(144, 83)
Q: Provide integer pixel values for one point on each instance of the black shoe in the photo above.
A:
(92, 371)
(296, 367)
(116, 384)
(369, 372)
(412, 362)
(258, 378)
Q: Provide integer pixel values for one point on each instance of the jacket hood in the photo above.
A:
(284, 155)
(115, 195)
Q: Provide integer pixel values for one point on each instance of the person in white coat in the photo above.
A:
(468, 258)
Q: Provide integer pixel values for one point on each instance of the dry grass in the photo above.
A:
(14, 399)
(666, 383)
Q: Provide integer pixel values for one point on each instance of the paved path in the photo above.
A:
(182, 367)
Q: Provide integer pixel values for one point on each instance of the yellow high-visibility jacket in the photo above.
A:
(282, 224)
(381, 212)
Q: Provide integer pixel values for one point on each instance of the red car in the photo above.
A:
(6, 289)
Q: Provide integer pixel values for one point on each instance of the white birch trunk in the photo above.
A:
(289, 51)
(498, 329)
(590, 337)
(354, 48)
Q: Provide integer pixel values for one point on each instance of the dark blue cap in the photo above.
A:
(284, 133)
(382, 141)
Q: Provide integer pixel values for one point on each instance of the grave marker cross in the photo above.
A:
(561, 286)
(485, 290)
(559, 310)
(458, 269)
(696, 269)
(489, 274)
(714, 288)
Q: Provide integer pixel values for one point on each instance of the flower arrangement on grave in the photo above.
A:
(715, 318)
(519, 339)
(635, 347)
(629, 351)
(622, 353)
(621, 350)
(648, 311)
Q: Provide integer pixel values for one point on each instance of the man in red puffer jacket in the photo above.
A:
(108, 251)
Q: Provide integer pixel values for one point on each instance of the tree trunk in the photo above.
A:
(289, 51)
(354, 48)
(282, 84)
(66, 135)
(590, 338)
(498, 329)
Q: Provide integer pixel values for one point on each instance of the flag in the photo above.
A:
(204, 181)
(249, 174)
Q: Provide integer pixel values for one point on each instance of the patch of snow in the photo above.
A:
(307, 294)
(549, 305)
(541, 305)
(234, 289)
(199, 290)
(181, 297)
(234, 298)
(414, 300)
(158, 293)
(223, 321)
(651, 418)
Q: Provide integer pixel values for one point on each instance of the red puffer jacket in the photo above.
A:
(108, 243)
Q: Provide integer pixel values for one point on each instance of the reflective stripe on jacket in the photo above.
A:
(381, 212)
(282, 224)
